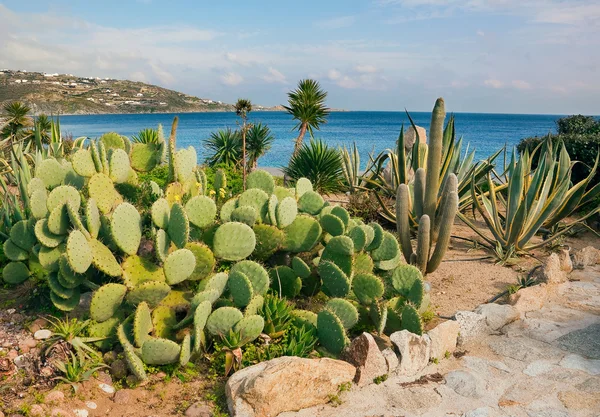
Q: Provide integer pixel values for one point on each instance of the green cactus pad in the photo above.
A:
(164, 320)
(240, 288)
(106, 330)
(286, 212)
(256, 273)
(126, 228)
(205, 261)
(311, 202)
(106, 301)
(66, 283)
(145, 156)
(228, 208)
(134, 363)
(137, 270)
(342, 213)
(331, 333)
(217, 282)
(244, 214)
(304, 318)
(65, 304)
(257, 199)
(369, 233)
(344, 262)
(13, 252)
(282, 192)
(363, 263)
(249, 328)
(34, 185)
(334, 279)
(79, 252)
(269, 240)
(303, 234)
(179, 266)
(185, 163)
(234, 241)
(389, 264)
(222, 320)
(162, 243)
(344, 310)
(359, 237)
(15, 273)
(262, 180)
(186, 350)
(285, 282)
(411, 320)
(160, 352)
(142, 324)
(102, 190)
(404, 277)
(83, 164)
(179, 226)
(342, 245)
(119, 167)
(63, 194)
(300, 267)
(96, 156)
(178, 299)
(58, 221)
(201, 315)
(112, 140)
(332, 224)
(58, 288)
(367, 288)
(66, 276)
(377, 236)
(272, 210)
(220, 180)
(92, 218)
(51, 172)
(75, 219)
(38, 203)
(388, 249)
(303, 185)
(45, 236)
(254, 305)
(416, 293)
(161, 212)
(201, 211)
(104, 260)
(22, 235)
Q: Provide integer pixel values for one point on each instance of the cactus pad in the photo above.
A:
(38, 204)
(112, 140)
(367, 288)
(13, 252)
(185, 163)
(254, 305)
(79, 252)
(234, 241)
(160, 212)
(244, 214)
(404, 277)
(205, 261)
(304, 318)
(201, 211)
(15, 273)
(75, 219)
(285, 281)
(377, 236)
(135, 364)
(303, 234)
(83, 164)
(104, 260)
(411, 320)
(228, 208)
(257, 199)
(179, 225)
(179, 266)
(220, 181)
(334, 279)
(389, 264)
(286, 212)
(142, 324)
(119, 167)
(342, 213)
(332, 224)
(57, 288)
(145, 156)
(331, 333)
(160, 352)
(22, 235)
(282, 192)
(162, 243)
(344, 310)
(137, 270)
(311, 202)
(58, 220)
(102, 190)
(272, 209)
(126, 228)
(359, 237)
(256, 273)
(45, 236)
(249, 328)
(217, 282)
(268, 240)
(34, 185)
(388, 249)
(201, 315)
(300, 267)
(51, 172)
(363, 263)
(240, 288)
(222, 320)
(106, 301)
(261, 179)
(65, 304)
(164, 320)
(186, 350)
(303, 185)
(92, 218)
(342, 245)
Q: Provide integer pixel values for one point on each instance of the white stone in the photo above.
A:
(478, 412)
(414, 351)
(553, 272)
(81, 413)
(465, 383)
(443, 337)
(42, 334)
(497, 315)
(587, 256)
(591, 366)
(530, 298)
(471, 325)
(109, 389)
(365, 355)
(20, 361)
(539, 367)
(391, 359)
(91, 405)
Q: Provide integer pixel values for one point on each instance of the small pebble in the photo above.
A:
(55, 396)
(81, 413)
(20, 361)
(11, 311)
(42, 334)
(37, 410)
(91, 405)
(109, 389)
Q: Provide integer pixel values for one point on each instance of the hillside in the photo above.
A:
(69, 94)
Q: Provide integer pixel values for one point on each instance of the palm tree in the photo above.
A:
(17, 121)
(225, 147)
(259, 141)
(242, 108)
(307, 105)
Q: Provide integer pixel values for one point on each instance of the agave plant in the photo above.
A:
(147, 136)
(72, 333)
(225, 147)
(351, 168)
(321, 164)
(75, 370)
(535, 199)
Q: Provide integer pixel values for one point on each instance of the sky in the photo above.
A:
(502, 56)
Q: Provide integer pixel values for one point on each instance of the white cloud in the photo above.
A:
(334, 74)
(480, 33)
(494, 83)
(336, 22)
(521, 85)
(365, 69)
(231, 79)
(274, 76)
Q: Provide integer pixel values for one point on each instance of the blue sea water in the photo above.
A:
(370, 130)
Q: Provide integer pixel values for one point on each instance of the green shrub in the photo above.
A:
(159, 175)
(234, 178)
(578, 125)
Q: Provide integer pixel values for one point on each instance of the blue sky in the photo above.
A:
(509, 56)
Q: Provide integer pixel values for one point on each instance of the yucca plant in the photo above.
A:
(224, 146)
(318, 162)
(535, 198)
(259, 140)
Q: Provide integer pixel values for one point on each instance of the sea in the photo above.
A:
(372, 131)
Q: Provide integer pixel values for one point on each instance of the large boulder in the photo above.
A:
(586, 257)
(557, 267)
(285, 384)
(530, 298)
(443, 339)
(370, 363)
(410, 137)
(471, 325)
(414, 351)
(498, 315)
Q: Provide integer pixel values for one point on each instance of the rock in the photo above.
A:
(131, 380)
(118, 369)
(464, 383)
(82, 310)
(20, 361)
(580, 363)
(11, 311)
(414, 351)
(58, 412)
(365, 355)
(46, 371)
(585, 342)
(109, 389)
(410, 137)
(37, 410)
(577, 400)
(12, 354)
(37, 324)
(479, 412)
(539, 367)
(471, 325)
(122, 396)
(109, 357)
(55, 396)
(104, 377)
(42, 334)
(587, 256)
(91, 405)
(391, 359)
(265, 389)
(566, 264)
(530, 298)
(497, 315)
(29, 342)
(443, 338)
(81, 412)
(199, 410)
(552, 272)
